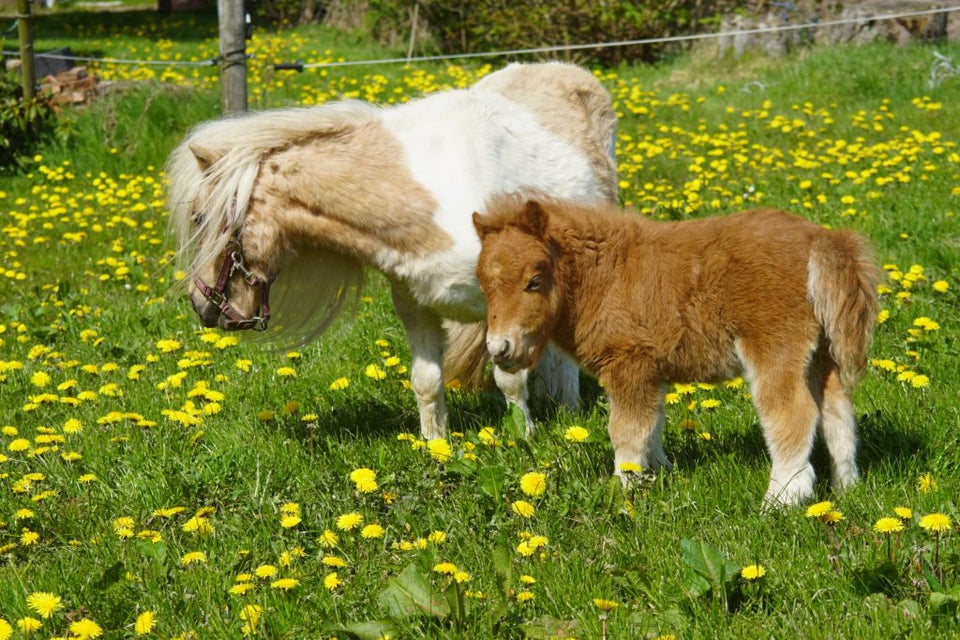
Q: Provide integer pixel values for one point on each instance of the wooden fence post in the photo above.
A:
(233, 57)
(25, 31)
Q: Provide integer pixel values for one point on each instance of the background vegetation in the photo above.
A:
(160, 480)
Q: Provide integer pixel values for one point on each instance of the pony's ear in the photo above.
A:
(206, 158)
(481, 224)
(533, 219)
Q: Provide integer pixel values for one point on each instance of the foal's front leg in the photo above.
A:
(426, 337)
(636, 424)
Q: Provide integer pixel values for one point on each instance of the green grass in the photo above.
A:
(85, 296)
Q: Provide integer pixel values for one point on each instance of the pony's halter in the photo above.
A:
(217, 293)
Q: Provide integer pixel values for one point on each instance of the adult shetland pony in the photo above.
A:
(642, 304)
(277, 213)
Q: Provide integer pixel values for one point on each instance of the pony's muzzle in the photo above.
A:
(208, 314)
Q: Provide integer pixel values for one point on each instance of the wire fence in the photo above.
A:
(300, 66)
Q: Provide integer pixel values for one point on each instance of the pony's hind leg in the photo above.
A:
(426, 337)
(837, 423)
(789, 415)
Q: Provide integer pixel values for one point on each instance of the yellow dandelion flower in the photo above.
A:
(374, 372)
(349, 521)
(265, 571)
(289, 521)
(372, 531)
(144, 623)
(630, 467)
(328, 539)
(604, 604)
(888, 525)
(903, 513)
(285, 584)
(522, 508)
(753, 572)
(44, 604)
(936, 522)
(27, 625)
(85, 629)
(6, 629)
(339, 384)
(334, 561)
(927, 483)
(525, 596)
(440, 450)
(832, 517)
(331, 581)
(241, 588)
(533, 484)
(819, 509)
(446, 568)
(287, 372)
(941, 286)
(576, 433)
(365, 480)
(193, 557)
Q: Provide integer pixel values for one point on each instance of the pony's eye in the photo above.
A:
(533, 285)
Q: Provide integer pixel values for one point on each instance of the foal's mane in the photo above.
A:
(207, 207)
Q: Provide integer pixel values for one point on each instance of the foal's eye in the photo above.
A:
(533, 284)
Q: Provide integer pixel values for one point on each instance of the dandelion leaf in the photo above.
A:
(709, 564)
(614, 501)
(370, 630)
(409, 594)
(110, 577)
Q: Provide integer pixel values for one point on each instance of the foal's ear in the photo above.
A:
(532, 219)
(481, 224)
(206, 158)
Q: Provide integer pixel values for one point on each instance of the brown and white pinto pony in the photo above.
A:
(641, 304)
(296, 203)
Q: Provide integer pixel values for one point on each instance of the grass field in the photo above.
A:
(160, 480)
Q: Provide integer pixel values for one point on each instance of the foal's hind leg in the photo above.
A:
(789, 415)
(837, 422)
(426, 337)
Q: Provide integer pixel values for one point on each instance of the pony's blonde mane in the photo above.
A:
(206, 208)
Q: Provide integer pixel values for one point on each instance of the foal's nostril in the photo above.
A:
(499, 348)
(505, 348)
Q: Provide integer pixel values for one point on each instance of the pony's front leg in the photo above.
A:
(636, 426)
(426, 337)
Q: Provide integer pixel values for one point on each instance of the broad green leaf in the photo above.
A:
(409, 594)
(370, 630)
(708, 562)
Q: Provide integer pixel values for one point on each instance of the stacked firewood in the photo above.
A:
(72, 86)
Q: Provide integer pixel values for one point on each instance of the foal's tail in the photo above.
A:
(466, 357)
(842, 284)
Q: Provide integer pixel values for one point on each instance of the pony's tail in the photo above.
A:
(842, 284)
(466, 357)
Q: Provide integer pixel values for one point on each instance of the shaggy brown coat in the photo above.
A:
(641, 304)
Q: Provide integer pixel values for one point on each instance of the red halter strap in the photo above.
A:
(217, 294)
